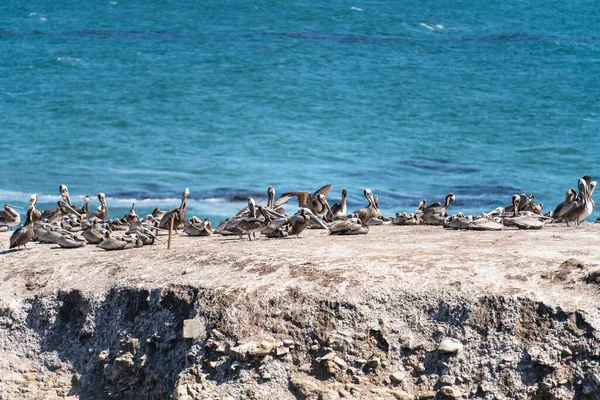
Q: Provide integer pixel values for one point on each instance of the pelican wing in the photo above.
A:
(569, 207)
(433, 205)
(323, 190)
(304, 198)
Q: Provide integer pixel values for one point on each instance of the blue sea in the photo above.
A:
(413, 99)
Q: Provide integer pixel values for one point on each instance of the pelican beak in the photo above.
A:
(317, 220)
(70, 209)
(20, 208)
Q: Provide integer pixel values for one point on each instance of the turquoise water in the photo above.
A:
(139, 99)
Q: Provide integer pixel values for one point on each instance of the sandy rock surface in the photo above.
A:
(403, 313)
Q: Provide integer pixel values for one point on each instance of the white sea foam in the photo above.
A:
(356, 9)
(68, 59)
(431, 26)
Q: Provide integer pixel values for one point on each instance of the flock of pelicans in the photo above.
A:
(70, 226)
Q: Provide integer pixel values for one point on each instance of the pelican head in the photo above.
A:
(101, 197)
(587, 179)
(582, 186)
(422, 205)
(450, 198)
(515, 201)
(270, 196)
(593, 185)
(64, 192)
(185, 194)
(33, 200)
(344, 192)
(369, 195)
(252, 207)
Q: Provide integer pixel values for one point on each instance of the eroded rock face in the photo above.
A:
(129, 344)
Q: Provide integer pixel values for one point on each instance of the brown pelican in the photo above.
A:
(351, 226)
(365, 213)
(196, 227)
(249, 225)
(486, 224)
(434, 213)
(54, 214)
(102, 211)
(131, 216)
(271, 204)
(70, 241)
(48, 233)
(406, 219)
(576, 208)
(85, 210)
(458, 221)
(339, 210)
(521, 222)
(377, 212)
(308, 200)
(590, 204)
(178, 214)
(143, 233)
(420, 209)
(299, 221)
(10, 217)
(94, 234)
(325, 205)
(70, 224)
(24, 234)
(119, 243)
(158, 213)
(569, 197)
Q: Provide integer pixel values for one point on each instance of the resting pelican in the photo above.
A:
(569, 197)
(94, 234)
(406, 219)
(576, 208)
(434, 213)
(54, 214)
(70, 241)
(142, 232)
(365, 213)
(10, 217)
(339, 210)
(271, 204)
(119, 243)
(249, 225)
(420, 209)
(308, 200)
(102, 211)
(590, 204)
(458, 221)
(351, 226)
(196, 227)
(131, 216)
(85, 209)
(178, 214)
(299, 221)
(521, 222)
(486, 224)
(24, 234)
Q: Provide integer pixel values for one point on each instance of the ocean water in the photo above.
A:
(413, 99)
